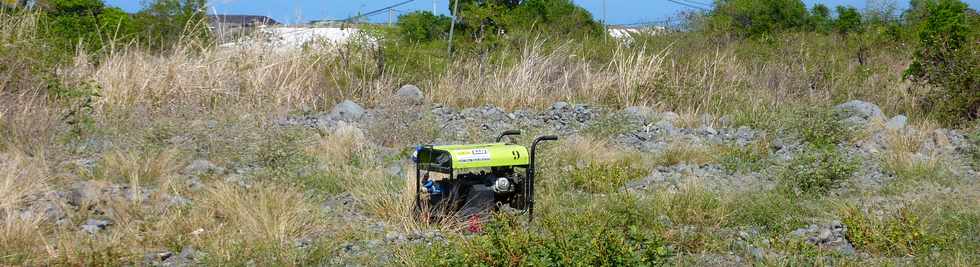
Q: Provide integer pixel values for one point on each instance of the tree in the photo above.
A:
(86, 22)
(758, 17)
(947, 57)
(165, 22)
(848, 20)
(820, 19)
(422, 26)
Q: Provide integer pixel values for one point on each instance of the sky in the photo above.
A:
(616, 11)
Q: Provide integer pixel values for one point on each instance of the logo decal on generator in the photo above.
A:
(473, 155)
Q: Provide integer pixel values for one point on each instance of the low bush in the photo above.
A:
(915, 229)
(818, 127)
(947, 58)
(817, 170)
(773, 211)
(751, 157)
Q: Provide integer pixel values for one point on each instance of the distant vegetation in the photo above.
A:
(265, 176)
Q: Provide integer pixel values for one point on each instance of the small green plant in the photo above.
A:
(905, 232)
(77, 101)
(751, 157)
(817, 171)
(602, 177)
(774, 211)
(819, 127)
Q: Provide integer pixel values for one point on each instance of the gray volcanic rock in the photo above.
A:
(897, 123)
(860, 109)
(410, 93)
(347, 111)
(831, 236)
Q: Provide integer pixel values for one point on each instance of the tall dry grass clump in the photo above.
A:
(21, 236)
(539, 78)
(261, 223)
(22, 54)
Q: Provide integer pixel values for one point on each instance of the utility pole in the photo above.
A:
(391, 13)
(452, 27)
(604, 21)
(433, 7)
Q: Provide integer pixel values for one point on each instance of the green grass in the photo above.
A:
(817, 171)
(752, 157)
(772, 211)
(948, 226)
(603, 177)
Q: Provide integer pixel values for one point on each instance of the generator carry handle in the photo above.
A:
(529, 189)
(506, 133)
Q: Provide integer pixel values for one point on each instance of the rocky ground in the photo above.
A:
(640, 130)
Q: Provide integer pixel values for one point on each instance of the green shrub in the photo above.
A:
(758, 17)
(915, 229)
(77, 101)
(817, 170)
(818, 127)
(820, 20)
(774, 212)
(86, 22)
(164, 23)
(947, 57)
(751, 157)
(848, 20)
(423, 26)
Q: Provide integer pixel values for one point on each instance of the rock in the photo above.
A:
(666, 126)
(94, 226)
(560, 105)
(157, 258)
(855, 121)
(669, 116)
(187, 257)
(708, 130)
(640, 113)
(410, 93)
(395, 237)
(84, 192)
(178, 201)
(830, 237)
(347, 111)
(194, 184)
(202, 167)
(897, 123)
(861, 109)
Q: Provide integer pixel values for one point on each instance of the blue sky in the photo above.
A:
(617, 11)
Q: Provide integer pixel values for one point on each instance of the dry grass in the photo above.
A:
(538, 79)
(263, 222)
(21, 237)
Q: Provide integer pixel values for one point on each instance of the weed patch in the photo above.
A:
(602, 177)
(817, 171)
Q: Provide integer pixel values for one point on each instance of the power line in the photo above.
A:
(687, 4)
(378, 11)
(698, 3)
